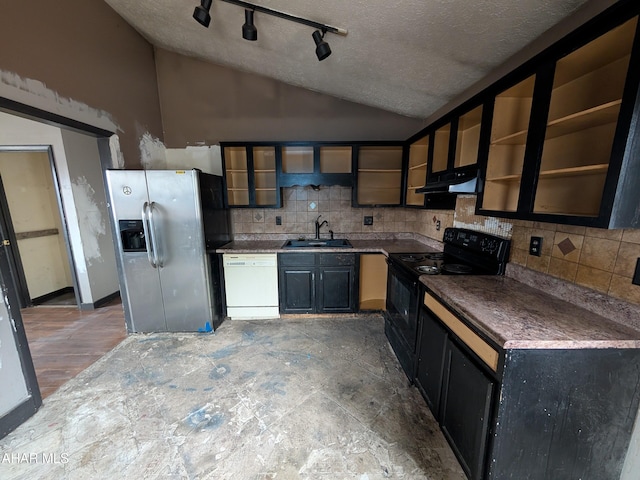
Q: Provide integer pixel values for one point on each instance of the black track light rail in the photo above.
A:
(287, 16)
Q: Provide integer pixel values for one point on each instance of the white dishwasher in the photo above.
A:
(251, 285)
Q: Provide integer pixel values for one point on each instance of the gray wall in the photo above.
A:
(80, 59)
(203, 103)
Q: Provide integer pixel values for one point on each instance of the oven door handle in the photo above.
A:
(401, 275)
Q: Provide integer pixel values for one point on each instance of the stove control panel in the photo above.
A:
(479, 242)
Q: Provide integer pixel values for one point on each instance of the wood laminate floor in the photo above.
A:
(64, 340)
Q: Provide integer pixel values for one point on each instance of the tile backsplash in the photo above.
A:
(604, 260)
(302, 205)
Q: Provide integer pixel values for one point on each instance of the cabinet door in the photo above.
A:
(267, 193)
(468, 138)
(297, 289)
(250, 174)
(236, 173)
(505, 163)
(336, 290)
(417, 172)
(433, 339)
(466, 408)
(440, 158)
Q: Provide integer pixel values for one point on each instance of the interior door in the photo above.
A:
(20, 396)
(15, 274)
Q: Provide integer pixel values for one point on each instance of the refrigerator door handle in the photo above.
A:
(154, 234)
(147, 229)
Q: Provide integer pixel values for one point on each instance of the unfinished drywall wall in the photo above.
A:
(207, 159)
(203, 104)
(81, 60)
(94, 277)
(33, 205)
(89, 202)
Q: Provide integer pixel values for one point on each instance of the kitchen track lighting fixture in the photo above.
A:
(201, 13)
(322, 48)
(250, 32)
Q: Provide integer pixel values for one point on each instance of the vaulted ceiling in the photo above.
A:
(405, 56)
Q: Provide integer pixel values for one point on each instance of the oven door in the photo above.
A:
(401, 319)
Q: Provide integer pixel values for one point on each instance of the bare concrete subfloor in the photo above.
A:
(304, 398)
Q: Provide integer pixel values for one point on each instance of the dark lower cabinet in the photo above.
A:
(433, 340)
(297, 290)
(467, 395)
(534, 414)
(335, 289)
(318, 282)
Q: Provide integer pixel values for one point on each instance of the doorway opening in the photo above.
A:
(33, 228)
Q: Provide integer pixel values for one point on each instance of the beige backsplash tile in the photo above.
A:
(563, 269)
(628, 255)
(599, 253)
(593, 278)
(539, 264)
(631, 236)
(621, 287)
(603, 260)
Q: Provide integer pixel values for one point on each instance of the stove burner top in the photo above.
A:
(411, 258)
(456, 268)
(434, 256)
(428, 269)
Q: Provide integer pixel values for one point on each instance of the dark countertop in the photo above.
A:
(517, 316)
(511, 313)
(359, 246)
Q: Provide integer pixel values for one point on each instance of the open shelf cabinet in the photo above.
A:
(564, 144)
(417, 171)
(250, 174)
(379, 175)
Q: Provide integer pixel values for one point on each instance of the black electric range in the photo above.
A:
(466, 252)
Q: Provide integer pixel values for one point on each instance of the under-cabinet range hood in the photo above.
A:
(460, 182)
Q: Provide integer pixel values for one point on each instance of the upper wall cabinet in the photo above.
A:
(565, 143)
(509, 129)
(379, 175)
(454, 148)
(417, 171)
(250, 174)
(316, 164)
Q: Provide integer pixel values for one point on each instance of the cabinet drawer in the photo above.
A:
(337, 259)
(296, 259)
(481, 348)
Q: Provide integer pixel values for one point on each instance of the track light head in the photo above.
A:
(201, 13)
(249, 30)
(322, 48)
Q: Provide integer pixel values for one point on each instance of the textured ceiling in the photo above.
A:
(406, 56)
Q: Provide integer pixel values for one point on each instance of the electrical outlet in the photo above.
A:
(278, 220)
(438, 224)
(535, 246)
(368, 220)
(636, 275)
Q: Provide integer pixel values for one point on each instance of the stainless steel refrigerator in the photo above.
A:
(167, 224)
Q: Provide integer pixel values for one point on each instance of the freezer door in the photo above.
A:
(177, 223)
(139, 281)
(144, 297)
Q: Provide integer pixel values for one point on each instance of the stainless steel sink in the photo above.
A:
(322, 243)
